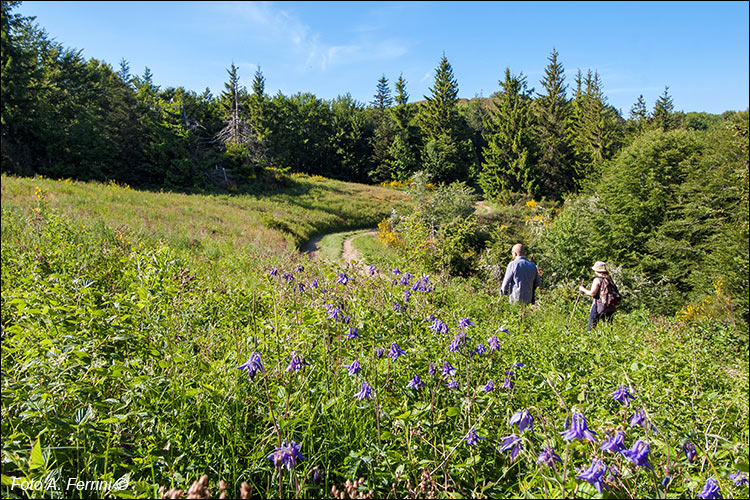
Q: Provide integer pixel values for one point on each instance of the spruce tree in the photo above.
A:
(663, 112)
(382, 98)
(439, 115)
(639, 116)
(550, 112)
(508, 157)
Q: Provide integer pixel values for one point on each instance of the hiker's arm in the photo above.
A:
(506, 280)
(594, 288)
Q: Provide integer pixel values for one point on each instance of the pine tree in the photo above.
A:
(639, 116)
(663, 112)
(508, 158)
(440, 115)
(382, 99)
(550, 110)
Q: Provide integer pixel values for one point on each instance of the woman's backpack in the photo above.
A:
(608, 294)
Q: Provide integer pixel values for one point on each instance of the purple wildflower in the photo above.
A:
(593, 475)
(405, 279)
(439, 326)
(343, 279)
(490, 385)
(432, 369)
(480, 349)
(286, 455)
(578, 429)
(739, 478)
(314, 283)
(453, 384)
(638, 454)
(352, 334)
(398, 307)
(380, 352)
(365, 392)
(690, 452)
(639, 418)
(519, 365)
(416, 382)
(299, 269)
(710, 489)
(288, 277)
(512, 443)
(354, 368)
(296, 364)
(252, 365)
(666, 481)
(507, 383)
(548, 457)
(273, 272)
(464, 323)
(300, 287)
(614, 444)
(494, 343)
(372, 270)
(622, 394)
(448, 369)
(524, 420)
(396, 270)
(395, 351)
(407, 296)
(456, 343)
(472, 437)
(334, 313)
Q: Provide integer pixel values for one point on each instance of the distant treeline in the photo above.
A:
(63, 116)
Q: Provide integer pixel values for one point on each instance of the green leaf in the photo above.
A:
(36, 460)
(453, 411)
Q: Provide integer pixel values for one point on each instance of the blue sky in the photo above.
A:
(698, 49)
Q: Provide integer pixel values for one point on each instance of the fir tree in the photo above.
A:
(550, 110)
(382, 99)
(663, 112)
(639, 115)
(507, 158)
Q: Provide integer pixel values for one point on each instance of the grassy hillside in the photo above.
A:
(122, 339)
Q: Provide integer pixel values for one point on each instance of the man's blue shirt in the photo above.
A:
(521, 277)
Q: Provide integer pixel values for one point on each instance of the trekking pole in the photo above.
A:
(578, 296)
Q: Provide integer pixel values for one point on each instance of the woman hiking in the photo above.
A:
(605, 295)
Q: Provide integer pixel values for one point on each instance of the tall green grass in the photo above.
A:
(120, 353)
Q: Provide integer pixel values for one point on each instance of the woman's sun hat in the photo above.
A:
(600, 267)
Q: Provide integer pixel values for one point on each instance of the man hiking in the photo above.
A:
(521, 278)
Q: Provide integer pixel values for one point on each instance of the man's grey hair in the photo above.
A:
(518, 249)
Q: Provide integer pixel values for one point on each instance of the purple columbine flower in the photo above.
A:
(464, 323)
(548, 457)
(519, 365)
(396, 270)
(379, 353)
(416, 382)
(286, 455)
(354, 368)
(710, 489)
(494, 343)
(334, 313)
(300, 287)
(252, 365)
(395, 351)
(690, 452)
(372, 270)
(405, 279)
(524, 420)
(314, 283)
(407, 296)
(448, 369)
(614, 444)
(739, 478)
(453, 384)
(343, 279)
(666, 481)
(456, 343)
(507, 383)
(352, 334)
(288, 277)
(638, 454)
(398, 307)
(578, 429)
(365, 392)
(593, 475)
(472, 437)
(439, 326)
(480, 349)
(639, 418)
(490, 385)
(512, 443)
(431, 371)
(273, 272)
(299, 269)
(296, 364)
(622, 394)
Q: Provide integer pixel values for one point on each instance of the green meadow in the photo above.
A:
(152, 338)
